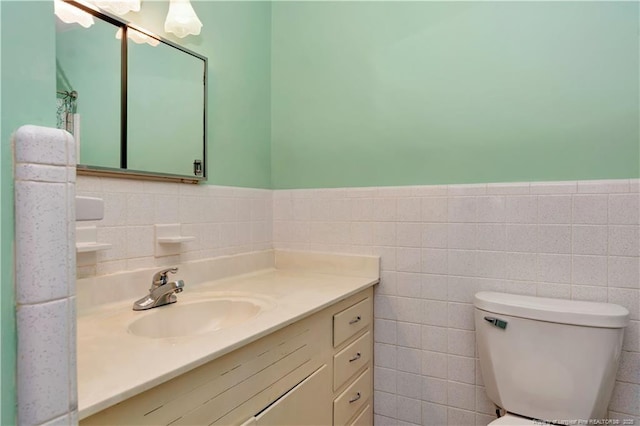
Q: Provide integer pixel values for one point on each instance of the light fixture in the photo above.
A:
(182, 19)
(138, 37)
(118, 7)
(70, 14)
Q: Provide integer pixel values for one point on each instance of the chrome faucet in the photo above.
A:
(162, 292)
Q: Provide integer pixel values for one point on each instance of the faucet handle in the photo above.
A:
(160, 277)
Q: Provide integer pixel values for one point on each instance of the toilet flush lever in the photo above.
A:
(497, 322)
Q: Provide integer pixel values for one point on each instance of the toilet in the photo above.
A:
(548, 359)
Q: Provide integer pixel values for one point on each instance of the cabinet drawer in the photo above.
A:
(365, 418)
(352, 399)
(351, 320)
(348, 361)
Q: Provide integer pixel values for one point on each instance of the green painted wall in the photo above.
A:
(236, 40)
(27, 96)
(395, 93)
(3, 311)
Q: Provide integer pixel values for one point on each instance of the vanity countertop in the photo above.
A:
(114, 364)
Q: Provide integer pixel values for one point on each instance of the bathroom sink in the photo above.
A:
(184, 319)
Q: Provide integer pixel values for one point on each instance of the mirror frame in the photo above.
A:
(123, 171)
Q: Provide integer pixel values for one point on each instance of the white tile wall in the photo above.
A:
(438, 244)
(224, 221)
(441, 244)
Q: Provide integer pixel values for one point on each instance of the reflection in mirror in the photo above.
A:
(88, 86)
(165, 107)
(141, 103)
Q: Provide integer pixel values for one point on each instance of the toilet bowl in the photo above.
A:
(549, 359)
(512, 420)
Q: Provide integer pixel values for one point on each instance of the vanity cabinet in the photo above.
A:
(316, 371)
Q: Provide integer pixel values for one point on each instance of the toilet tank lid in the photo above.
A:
(591, 314)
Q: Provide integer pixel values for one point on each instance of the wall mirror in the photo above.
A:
(135, 102)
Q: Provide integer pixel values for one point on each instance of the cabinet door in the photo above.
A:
(308, 403)
(250, 422)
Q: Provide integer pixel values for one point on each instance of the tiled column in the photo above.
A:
(44, 168)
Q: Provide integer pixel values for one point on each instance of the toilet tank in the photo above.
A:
(548, 359)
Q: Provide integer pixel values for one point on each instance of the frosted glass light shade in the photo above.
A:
(182, 19)
(70, 14)
(138, 37)
(118, 7)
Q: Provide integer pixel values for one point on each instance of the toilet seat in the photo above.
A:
(513, 420)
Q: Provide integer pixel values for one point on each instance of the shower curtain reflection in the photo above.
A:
(66, 110)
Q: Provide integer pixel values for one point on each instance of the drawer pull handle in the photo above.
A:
(356, 357)
(355, 320)
(355, 398)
